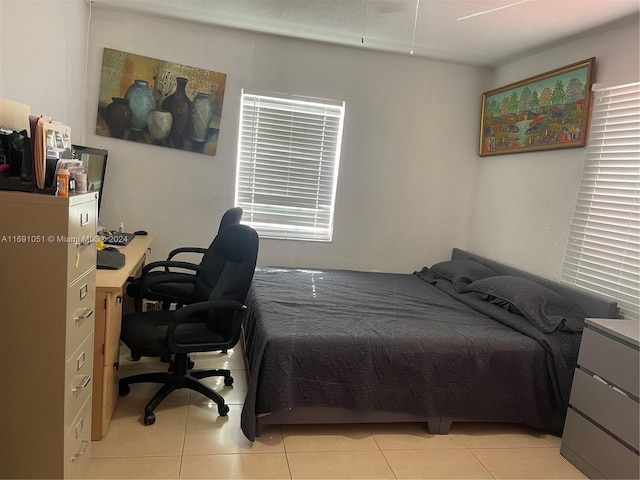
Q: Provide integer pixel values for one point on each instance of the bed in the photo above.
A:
(468, 339)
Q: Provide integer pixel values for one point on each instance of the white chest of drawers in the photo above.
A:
(47, 302)
(601, 433)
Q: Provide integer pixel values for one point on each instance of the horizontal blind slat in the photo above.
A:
(288, 157)
(603, 250)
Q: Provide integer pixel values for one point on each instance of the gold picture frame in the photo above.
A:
(544, 112)
(158, 102)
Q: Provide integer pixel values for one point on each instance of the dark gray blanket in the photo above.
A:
(395, 343)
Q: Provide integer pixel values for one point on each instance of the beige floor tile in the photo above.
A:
(232, 360)
(127, 436)
(319, 438)
(521, 463)
(135, 468)
(497, 435)
(207, 433)
(339, 465)
(552, 440)
(435, 463)
(263, 466)
(398, 436)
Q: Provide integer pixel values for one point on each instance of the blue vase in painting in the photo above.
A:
(141, 102)
(201, 115)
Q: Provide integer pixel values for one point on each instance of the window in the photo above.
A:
(288, 157)
(603, 253)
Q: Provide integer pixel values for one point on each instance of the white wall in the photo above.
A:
(42, 58)
(524, 202)
(408, 156)
(409, 163)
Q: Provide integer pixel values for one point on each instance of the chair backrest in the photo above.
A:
(227, 271)
(230, 217)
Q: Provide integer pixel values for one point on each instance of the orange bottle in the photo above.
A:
(63, 183)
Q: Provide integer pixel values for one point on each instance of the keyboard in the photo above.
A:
(110, 259)
(121, 239)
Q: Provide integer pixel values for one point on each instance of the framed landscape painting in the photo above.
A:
(544, 112)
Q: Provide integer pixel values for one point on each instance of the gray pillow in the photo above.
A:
(544, 308)
(462, 272)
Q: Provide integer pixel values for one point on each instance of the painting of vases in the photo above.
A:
(161, 103)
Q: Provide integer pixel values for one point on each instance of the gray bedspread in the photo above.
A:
(395, 343)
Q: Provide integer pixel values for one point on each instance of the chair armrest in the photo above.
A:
(168, 264)
(150, 279)
(178, 251)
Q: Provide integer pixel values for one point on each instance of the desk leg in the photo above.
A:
(98, 363)
(106, 358)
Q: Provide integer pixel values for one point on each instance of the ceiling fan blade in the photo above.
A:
(493, 10)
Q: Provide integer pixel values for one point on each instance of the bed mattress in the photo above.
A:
(382, 342)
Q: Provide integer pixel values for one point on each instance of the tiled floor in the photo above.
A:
(190, 440)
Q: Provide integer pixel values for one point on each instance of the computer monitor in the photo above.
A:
(94, 161)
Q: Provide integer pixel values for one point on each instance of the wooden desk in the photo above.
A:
(110, 296)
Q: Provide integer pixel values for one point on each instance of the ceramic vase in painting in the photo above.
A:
(159, 124)
(180, 107)
(141, 101)
(118, 116)
(201, 115)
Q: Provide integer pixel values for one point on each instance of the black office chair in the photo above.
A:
(158, 282)
(211, 321)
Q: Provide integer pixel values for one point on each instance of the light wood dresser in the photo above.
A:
(47, 309)
(602, 428)
(111, 303)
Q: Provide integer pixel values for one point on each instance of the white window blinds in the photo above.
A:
(603, 253)
(288, 157)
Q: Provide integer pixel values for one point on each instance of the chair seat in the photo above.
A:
(179, 292)
(148, 330)
(177, 286)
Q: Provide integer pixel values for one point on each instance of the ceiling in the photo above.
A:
(473, 32)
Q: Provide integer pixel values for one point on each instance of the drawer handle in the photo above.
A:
(603, 381)
(83, 449)
(84, 218)
(620, 391)
(82, 385)
(84, 291)
(84, 316)
(86, 242)
(80, 361)
(600, 379)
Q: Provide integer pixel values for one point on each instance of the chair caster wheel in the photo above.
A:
(223, 410)
(123, 389)
(149, 419)
(190, 365)
(135, 357)
(228, 381)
